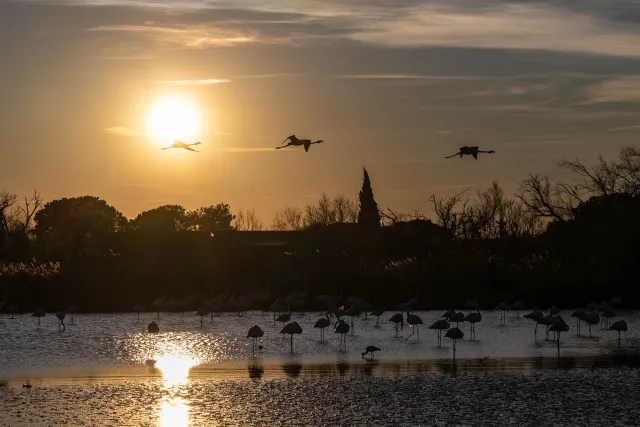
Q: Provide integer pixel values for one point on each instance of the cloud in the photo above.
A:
(197, 82)
(124, 131)
(445, 132)
(623, 128)
(191, 36)
(401, 77)
(621, 89)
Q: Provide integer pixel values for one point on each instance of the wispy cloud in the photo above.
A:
(401, 77)
(196, 82)
(124, 131)
(445, 132)
(621, 89)
(623, 128)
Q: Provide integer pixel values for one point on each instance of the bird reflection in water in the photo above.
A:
(174, 411)
(256, 370)
(292, 369)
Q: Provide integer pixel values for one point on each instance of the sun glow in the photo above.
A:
(175, 369)
(174, 413)
(171, 118)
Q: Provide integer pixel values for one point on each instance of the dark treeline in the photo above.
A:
(563, 243)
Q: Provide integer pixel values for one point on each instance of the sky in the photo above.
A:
(390, 85)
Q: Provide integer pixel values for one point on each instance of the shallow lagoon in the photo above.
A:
(95, 374)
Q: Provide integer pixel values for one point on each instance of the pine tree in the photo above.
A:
(369, 216)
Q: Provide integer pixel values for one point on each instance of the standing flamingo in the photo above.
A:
(517, 307)
(578, 314)
(254, 333)
(591, 319)
(397, 318)
(341, 327)
(448, 314)
(503, 307)
(455, 334)
(38, 314)
(547, 321)
(558, 325)
(472, 305)
(440, 325)
(202, 312)
(473, 318)
(322, 323)
(619, 326)
(352, 312)
(413, 321)
(138, 308)
(61, 315)
(536, 316)
(378, 312)
(291, 328)
(607, 315)
(153, 328)
(457, 317)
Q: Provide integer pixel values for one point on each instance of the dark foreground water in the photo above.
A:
(576, 397)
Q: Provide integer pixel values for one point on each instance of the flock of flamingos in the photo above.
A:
(592, 314)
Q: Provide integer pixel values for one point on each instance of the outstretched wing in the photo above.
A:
(307, 144)
(475, 155)
(190, 149)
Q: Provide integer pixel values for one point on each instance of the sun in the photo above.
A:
(171, 118)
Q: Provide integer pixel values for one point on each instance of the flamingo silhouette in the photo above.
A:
(294, 141)
(619, 326)
(322, 323)
(254, 333)
(377, 312)
(440, 325)
(469, 151)
(180, 144)
(341, 327)
(370, 350)
(413, 320)
(291, 329)
(61, 315)
(397, 318)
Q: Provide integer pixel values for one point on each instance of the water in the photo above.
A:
(94, 374)
(118, 339)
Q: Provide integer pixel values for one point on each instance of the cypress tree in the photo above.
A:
(368, 216)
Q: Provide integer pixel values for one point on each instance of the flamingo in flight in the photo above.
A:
(180, 144)
(469, 151)
(293, 140)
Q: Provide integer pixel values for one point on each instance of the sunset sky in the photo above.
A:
(391, 85)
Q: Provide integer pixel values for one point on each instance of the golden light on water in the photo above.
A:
(175, 368)
(174, 413)
(173, 117)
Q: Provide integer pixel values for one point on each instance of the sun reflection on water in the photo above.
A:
(174, 413)
(175, 368)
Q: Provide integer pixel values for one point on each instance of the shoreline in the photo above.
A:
(260, 368)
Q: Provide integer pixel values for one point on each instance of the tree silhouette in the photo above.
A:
(211, 218)
(369, 215)
(163, 219)
(72, 226)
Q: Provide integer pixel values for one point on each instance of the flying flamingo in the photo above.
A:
(341, 327)
(254, 333)
(619, 326)
(473, 318)
(291, 328)
(322, 323)
(440, 325)
(370, 350)
(61, 315)
(377, 312)
(413, 320)
(180, 144)
(469, 151)
(294, 141)
(397, 318)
